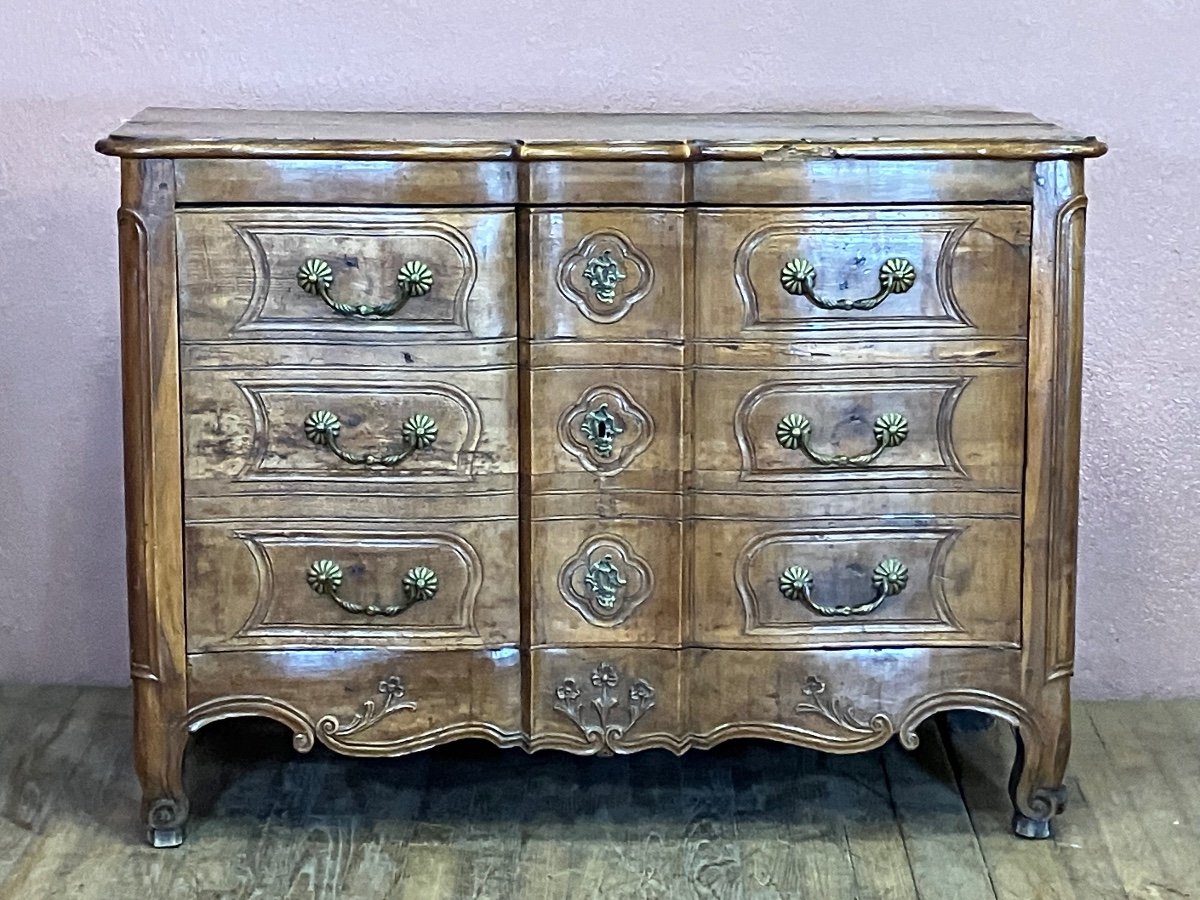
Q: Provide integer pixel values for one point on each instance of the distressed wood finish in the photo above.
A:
(248, 584)
(958, 423)
(153, 491)
(683, 487)
(238, 267)
(971, 275)
(962, 582)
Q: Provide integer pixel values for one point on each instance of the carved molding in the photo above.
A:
(606, 581)
(306, 732)
(1069, 224)
(253, 229)
(757, 437)
(610, 303)
(636, 429)
(446, 463)
(796, 233)
(863, 731)
(603, 714)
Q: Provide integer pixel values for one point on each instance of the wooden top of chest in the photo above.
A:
(932, 133)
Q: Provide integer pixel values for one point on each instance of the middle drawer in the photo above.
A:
(348, 430)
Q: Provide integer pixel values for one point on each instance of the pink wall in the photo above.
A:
(1125, 69)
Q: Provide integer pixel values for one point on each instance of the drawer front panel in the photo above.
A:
(952, 427)
(606, 700)
(606, 275)
(803, 274)
(373, 702)
(599, 581)
(267, 584)
(617, 424)
(240, 274)
(253, 430)
(898, 581)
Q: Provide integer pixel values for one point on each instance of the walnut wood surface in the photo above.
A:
(602, 591)
(972, 134)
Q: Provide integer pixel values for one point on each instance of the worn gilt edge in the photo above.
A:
(306, 732)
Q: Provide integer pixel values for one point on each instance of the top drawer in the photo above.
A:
(926, 272)
(265, 273)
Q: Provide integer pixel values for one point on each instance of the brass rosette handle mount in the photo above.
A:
(420, 584)
(794, 432)
(324, 428)
(889, 578)
(415, 279)
(799, 277)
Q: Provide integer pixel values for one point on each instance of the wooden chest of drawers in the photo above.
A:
(600, 433)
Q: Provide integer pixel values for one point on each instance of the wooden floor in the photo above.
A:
(748, 820)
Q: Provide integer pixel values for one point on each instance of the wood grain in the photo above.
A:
(608, 349)
(937, 133)
(238, 268)
(971, 272)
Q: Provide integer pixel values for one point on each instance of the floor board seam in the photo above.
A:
(956, 768)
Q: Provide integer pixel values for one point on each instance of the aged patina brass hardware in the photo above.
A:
(794, 432)
(418, 432)
(414, 280)
(602, 273)
(420, 583)
(889, 578)
(799, 277)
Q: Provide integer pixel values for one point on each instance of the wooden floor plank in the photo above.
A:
(1018, 869)
(943, 851)
(1151, 826)
(749, 820)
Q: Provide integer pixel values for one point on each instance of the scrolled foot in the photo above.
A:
(164, 823)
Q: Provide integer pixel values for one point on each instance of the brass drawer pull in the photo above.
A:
(799, 277)
(420, 583)
(322, 427)
(794, 432)
(414, 280)
(889, 578)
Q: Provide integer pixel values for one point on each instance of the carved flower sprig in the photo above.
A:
(606, 675)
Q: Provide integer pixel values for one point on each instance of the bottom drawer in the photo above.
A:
(365, 702)
(898, 581)
(619, 700)
(267, 585)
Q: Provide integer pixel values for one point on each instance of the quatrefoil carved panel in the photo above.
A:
(605, 429)
(606, 581)
(604, 275)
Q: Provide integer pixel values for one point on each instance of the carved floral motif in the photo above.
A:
(838, 711)
(393, 691)
(603, 715)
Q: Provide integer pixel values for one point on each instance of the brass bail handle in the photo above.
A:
(799, 277)
(889, 578)
(415, 279)
(420, 584)
(794, 432)
(324, 429)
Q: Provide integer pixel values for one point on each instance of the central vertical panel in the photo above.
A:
(603, 358)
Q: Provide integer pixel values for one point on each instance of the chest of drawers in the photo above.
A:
(600, 433)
